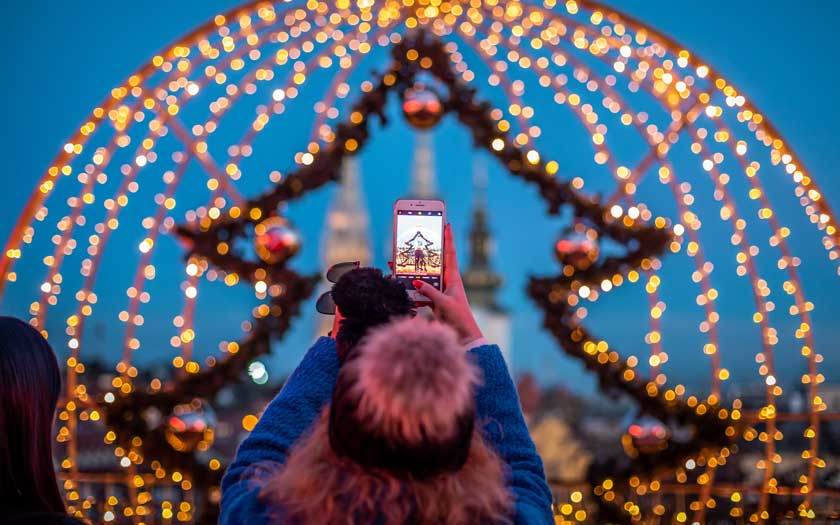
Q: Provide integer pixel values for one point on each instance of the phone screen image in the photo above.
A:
(418, 253)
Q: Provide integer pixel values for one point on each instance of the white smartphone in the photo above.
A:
(418, 243)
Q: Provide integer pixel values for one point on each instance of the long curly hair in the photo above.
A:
(316, 486)
(397, 445)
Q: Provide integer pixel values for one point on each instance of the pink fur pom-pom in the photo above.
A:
(414, 378)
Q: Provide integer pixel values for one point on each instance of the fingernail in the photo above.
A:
(417, 284)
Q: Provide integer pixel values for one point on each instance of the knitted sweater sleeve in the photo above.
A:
(285, 419)
(497, 406)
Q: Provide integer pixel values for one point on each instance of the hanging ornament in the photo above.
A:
(191, 426)
(422, 107)
(275, 240)
(646, 435)
(578, 247)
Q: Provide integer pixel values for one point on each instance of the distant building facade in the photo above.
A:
(480, 279)
(423, 175)
(346, 235)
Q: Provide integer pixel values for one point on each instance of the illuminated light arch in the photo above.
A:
(562, 39)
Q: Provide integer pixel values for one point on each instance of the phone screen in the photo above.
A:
(418, 253)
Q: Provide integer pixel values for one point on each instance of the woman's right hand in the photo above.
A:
(451, 306)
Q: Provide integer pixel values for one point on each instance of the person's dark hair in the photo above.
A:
(29, 388)
(367, 298)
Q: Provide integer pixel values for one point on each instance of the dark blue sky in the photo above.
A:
(62, 59)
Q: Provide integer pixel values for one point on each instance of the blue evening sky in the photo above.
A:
(62, 58)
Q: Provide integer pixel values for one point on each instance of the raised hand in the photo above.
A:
(451, 306)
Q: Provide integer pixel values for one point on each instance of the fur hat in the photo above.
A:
(404, 399)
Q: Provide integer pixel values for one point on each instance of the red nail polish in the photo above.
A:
(417, 284)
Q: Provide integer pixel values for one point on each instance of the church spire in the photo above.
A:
(480, 281)
(346, 234)
(423, 183)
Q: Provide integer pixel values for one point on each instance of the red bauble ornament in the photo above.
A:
(578, 247)
(648, 435)
(275, 240)
(422, 107)
(191, 426)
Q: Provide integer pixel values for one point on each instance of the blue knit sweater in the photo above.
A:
(309, 389)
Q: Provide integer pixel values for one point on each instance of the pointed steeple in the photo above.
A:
(480, 280)
(346, 235)
(423, 180)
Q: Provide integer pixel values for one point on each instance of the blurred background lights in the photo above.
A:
(258, 372)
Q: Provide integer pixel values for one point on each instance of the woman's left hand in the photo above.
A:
(451, 305)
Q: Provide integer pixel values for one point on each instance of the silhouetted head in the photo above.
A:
(29, 388)
(367, 298)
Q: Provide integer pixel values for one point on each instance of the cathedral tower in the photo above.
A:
(480, 280)
(423, 178)
(346, 235)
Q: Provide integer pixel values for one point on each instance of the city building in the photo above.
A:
(480, 280)
(346, 235)
(423, 176)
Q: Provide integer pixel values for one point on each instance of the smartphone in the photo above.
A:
(418, 243)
